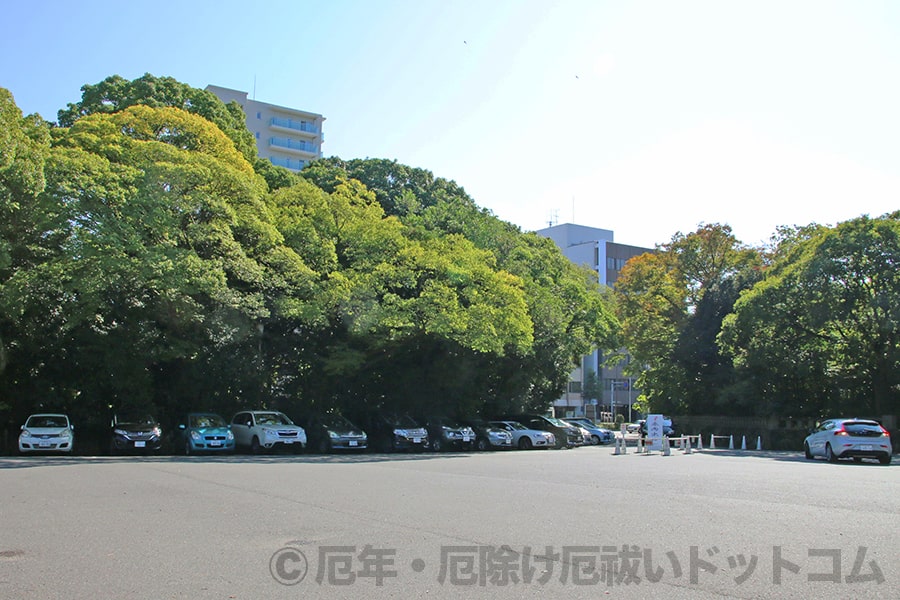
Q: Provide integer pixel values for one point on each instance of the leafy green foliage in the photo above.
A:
(149, 258)
(819, 334)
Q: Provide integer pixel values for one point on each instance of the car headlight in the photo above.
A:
(65, 433)
(270, 433)
(120, 432)
(195, 435)
(229, 435)
(157, 431)
(25, 433)
(333, 434)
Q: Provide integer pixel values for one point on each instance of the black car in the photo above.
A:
(330, 432)
(567, 436)
(392, 432)
(134, 431)
(448, 434)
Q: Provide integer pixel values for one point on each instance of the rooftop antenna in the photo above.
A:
(573, 209)
(254, 86)
(554, 218)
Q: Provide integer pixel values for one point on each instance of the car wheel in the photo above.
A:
(437, 445)
(807, 451)
(187, 448)
(324, 446)
(482, 444)
(885, 459)
(595, 440)
(255, 448)
(829, 454)
(524, 443)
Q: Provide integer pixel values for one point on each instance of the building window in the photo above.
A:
(574, 387)
(259, 115)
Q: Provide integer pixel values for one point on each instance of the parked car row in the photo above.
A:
(257, 431)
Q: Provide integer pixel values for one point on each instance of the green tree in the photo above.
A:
(819, 334)
(671, 304)
(116, 93)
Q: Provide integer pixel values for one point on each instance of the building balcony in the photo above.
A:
(288, 163)
(296, 147)
(295, 127)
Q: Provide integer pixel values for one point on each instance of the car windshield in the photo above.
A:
(135, 418)
(46, 421)
(204, 421)
(274, 418)
(336, 422)
(558, 422)
(404, 421)
(513, 425)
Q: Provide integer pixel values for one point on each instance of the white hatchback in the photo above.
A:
(849, 438)
(46, 433)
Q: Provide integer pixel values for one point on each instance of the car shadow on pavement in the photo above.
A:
(792, 456)
(24, 462)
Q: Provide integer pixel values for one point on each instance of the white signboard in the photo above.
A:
(655, 430)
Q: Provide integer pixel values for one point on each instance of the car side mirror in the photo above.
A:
(22, 428)
(249, 423)
(181, 426)
(72, 427)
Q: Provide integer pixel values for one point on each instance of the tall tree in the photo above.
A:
(671, 304)
(821, 333)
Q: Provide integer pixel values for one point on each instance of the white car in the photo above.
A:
(524, 438)
(47, 433)
(266, 429)
(849, 438)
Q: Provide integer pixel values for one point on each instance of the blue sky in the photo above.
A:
(647, 118)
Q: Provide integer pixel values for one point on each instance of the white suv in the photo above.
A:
(849, 438)
(259, 429)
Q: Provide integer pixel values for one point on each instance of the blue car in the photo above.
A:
(206, 432)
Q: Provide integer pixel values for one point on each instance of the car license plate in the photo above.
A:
(352, 442)
(465, 438)
(140, 444)
(288, 441)
(866, 447)
(215, 444)
(417, 440)
(44, 444)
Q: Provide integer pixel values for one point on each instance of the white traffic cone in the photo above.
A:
(731, 442)
(666, 449)
(687, 446)
(699, 442)
(617, 452)
(712, 442)
(743, 442)
(759, 442)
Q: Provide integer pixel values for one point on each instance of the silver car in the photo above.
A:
(524, 438)
(849, 438)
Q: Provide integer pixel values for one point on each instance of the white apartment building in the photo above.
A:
(288, 137)
(595, 248)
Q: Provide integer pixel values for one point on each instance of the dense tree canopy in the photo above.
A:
(821, 332)
(148, 258)
(671, 304)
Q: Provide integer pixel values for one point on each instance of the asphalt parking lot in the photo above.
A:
(576, 523)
